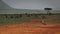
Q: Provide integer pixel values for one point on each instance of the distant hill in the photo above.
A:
(6, 9)
(23, 11)
(4, 5)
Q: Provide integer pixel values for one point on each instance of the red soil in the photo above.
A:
(30, 28)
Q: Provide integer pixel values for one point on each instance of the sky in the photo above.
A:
(33, 4)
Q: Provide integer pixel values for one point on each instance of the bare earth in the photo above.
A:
(31, 27)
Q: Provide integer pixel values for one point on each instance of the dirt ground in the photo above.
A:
(31, 27)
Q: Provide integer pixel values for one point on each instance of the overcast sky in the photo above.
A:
(33, 4)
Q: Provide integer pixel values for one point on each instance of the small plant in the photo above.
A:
(11, 17)
(28, 15)
(36, 15)
(43, 17)
(20, 15)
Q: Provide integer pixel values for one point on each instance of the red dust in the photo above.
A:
(31, 27)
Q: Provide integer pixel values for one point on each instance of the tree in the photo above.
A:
(43, 17)
(48, 10)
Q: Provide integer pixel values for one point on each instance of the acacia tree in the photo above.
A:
(48, 13)
(48, 10)
(43, 17)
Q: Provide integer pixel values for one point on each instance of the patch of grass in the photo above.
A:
(23, 19)
(53, 21)
(14, 21)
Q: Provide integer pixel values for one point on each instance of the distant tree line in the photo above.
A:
(26, 14)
